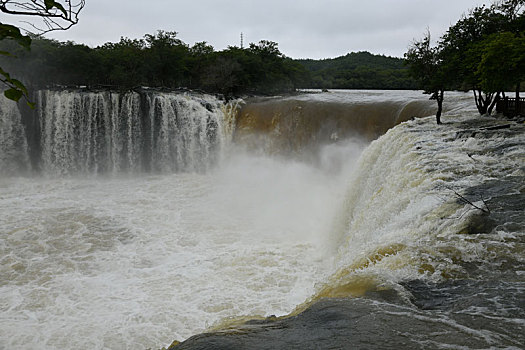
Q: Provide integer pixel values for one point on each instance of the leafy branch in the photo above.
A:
(54, 15)
(15, 88)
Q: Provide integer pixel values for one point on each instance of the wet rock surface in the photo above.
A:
(328, 324)
(371, 324)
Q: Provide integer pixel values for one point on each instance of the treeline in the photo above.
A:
(157, 60)
(358, 70)
(163, 60)
(483, 52)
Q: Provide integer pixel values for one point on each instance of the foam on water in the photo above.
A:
(133, 262)
(404, 218)
(138, 261)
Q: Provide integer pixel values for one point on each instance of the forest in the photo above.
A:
(484, 52)
(163, 60)
(358, 70)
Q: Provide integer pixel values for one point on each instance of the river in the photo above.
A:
(124, 226)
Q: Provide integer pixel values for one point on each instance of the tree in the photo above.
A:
(512, 9)
(54, 15)
(200, 56)
(426, 67)
(462, 47)
(166, 58)
(224, 75)
(15, 88)
(502, 62)
(510, 46)
(269, 70)
(157, 60)
(122, 63)
(356, 70)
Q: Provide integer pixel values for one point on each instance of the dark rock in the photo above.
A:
(480, 222)
(366, 324)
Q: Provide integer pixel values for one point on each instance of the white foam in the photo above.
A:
(139, 261)
(136, 262)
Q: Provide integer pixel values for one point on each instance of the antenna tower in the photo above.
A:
(242, 44)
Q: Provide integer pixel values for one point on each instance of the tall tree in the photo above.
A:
(166, 58)
(122, 64)
(502, 62)
(426, 66)
(462, 49)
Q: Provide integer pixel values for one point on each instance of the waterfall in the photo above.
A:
(293, 125)
(14, 157)
(184, 133)
(390, 233)
(105, 132)
(431, 203)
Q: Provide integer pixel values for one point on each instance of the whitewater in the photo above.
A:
(130, 232)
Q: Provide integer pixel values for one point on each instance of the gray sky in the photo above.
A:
(303, 28)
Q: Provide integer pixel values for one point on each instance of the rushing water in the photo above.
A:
(14, 157)
(182, 229)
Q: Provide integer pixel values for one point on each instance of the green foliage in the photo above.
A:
(15, 89)
(502, 62)
(459, 45)
(426, 65)
(483, 51)
(158, 60)
(163, 60)
(358, 70)
(9, 33)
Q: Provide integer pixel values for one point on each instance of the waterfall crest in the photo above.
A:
(294, 125)
(104, 132)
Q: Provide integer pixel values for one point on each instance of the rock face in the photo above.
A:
(364, 324)
(328, 324)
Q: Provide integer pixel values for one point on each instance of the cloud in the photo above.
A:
(303, 28)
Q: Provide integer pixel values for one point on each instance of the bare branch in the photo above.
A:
(61, 16)
(485, 210)
(485, 204)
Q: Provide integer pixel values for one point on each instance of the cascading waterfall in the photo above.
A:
(103, 132)
(430, 238)
(184, 133)
(14, 157)
(298, 125)
(84, 132)
(223, 229)
(436, 213)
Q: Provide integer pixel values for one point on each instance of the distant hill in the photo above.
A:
(358, 70)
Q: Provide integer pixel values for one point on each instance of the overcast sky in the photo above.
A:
(302, 28)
